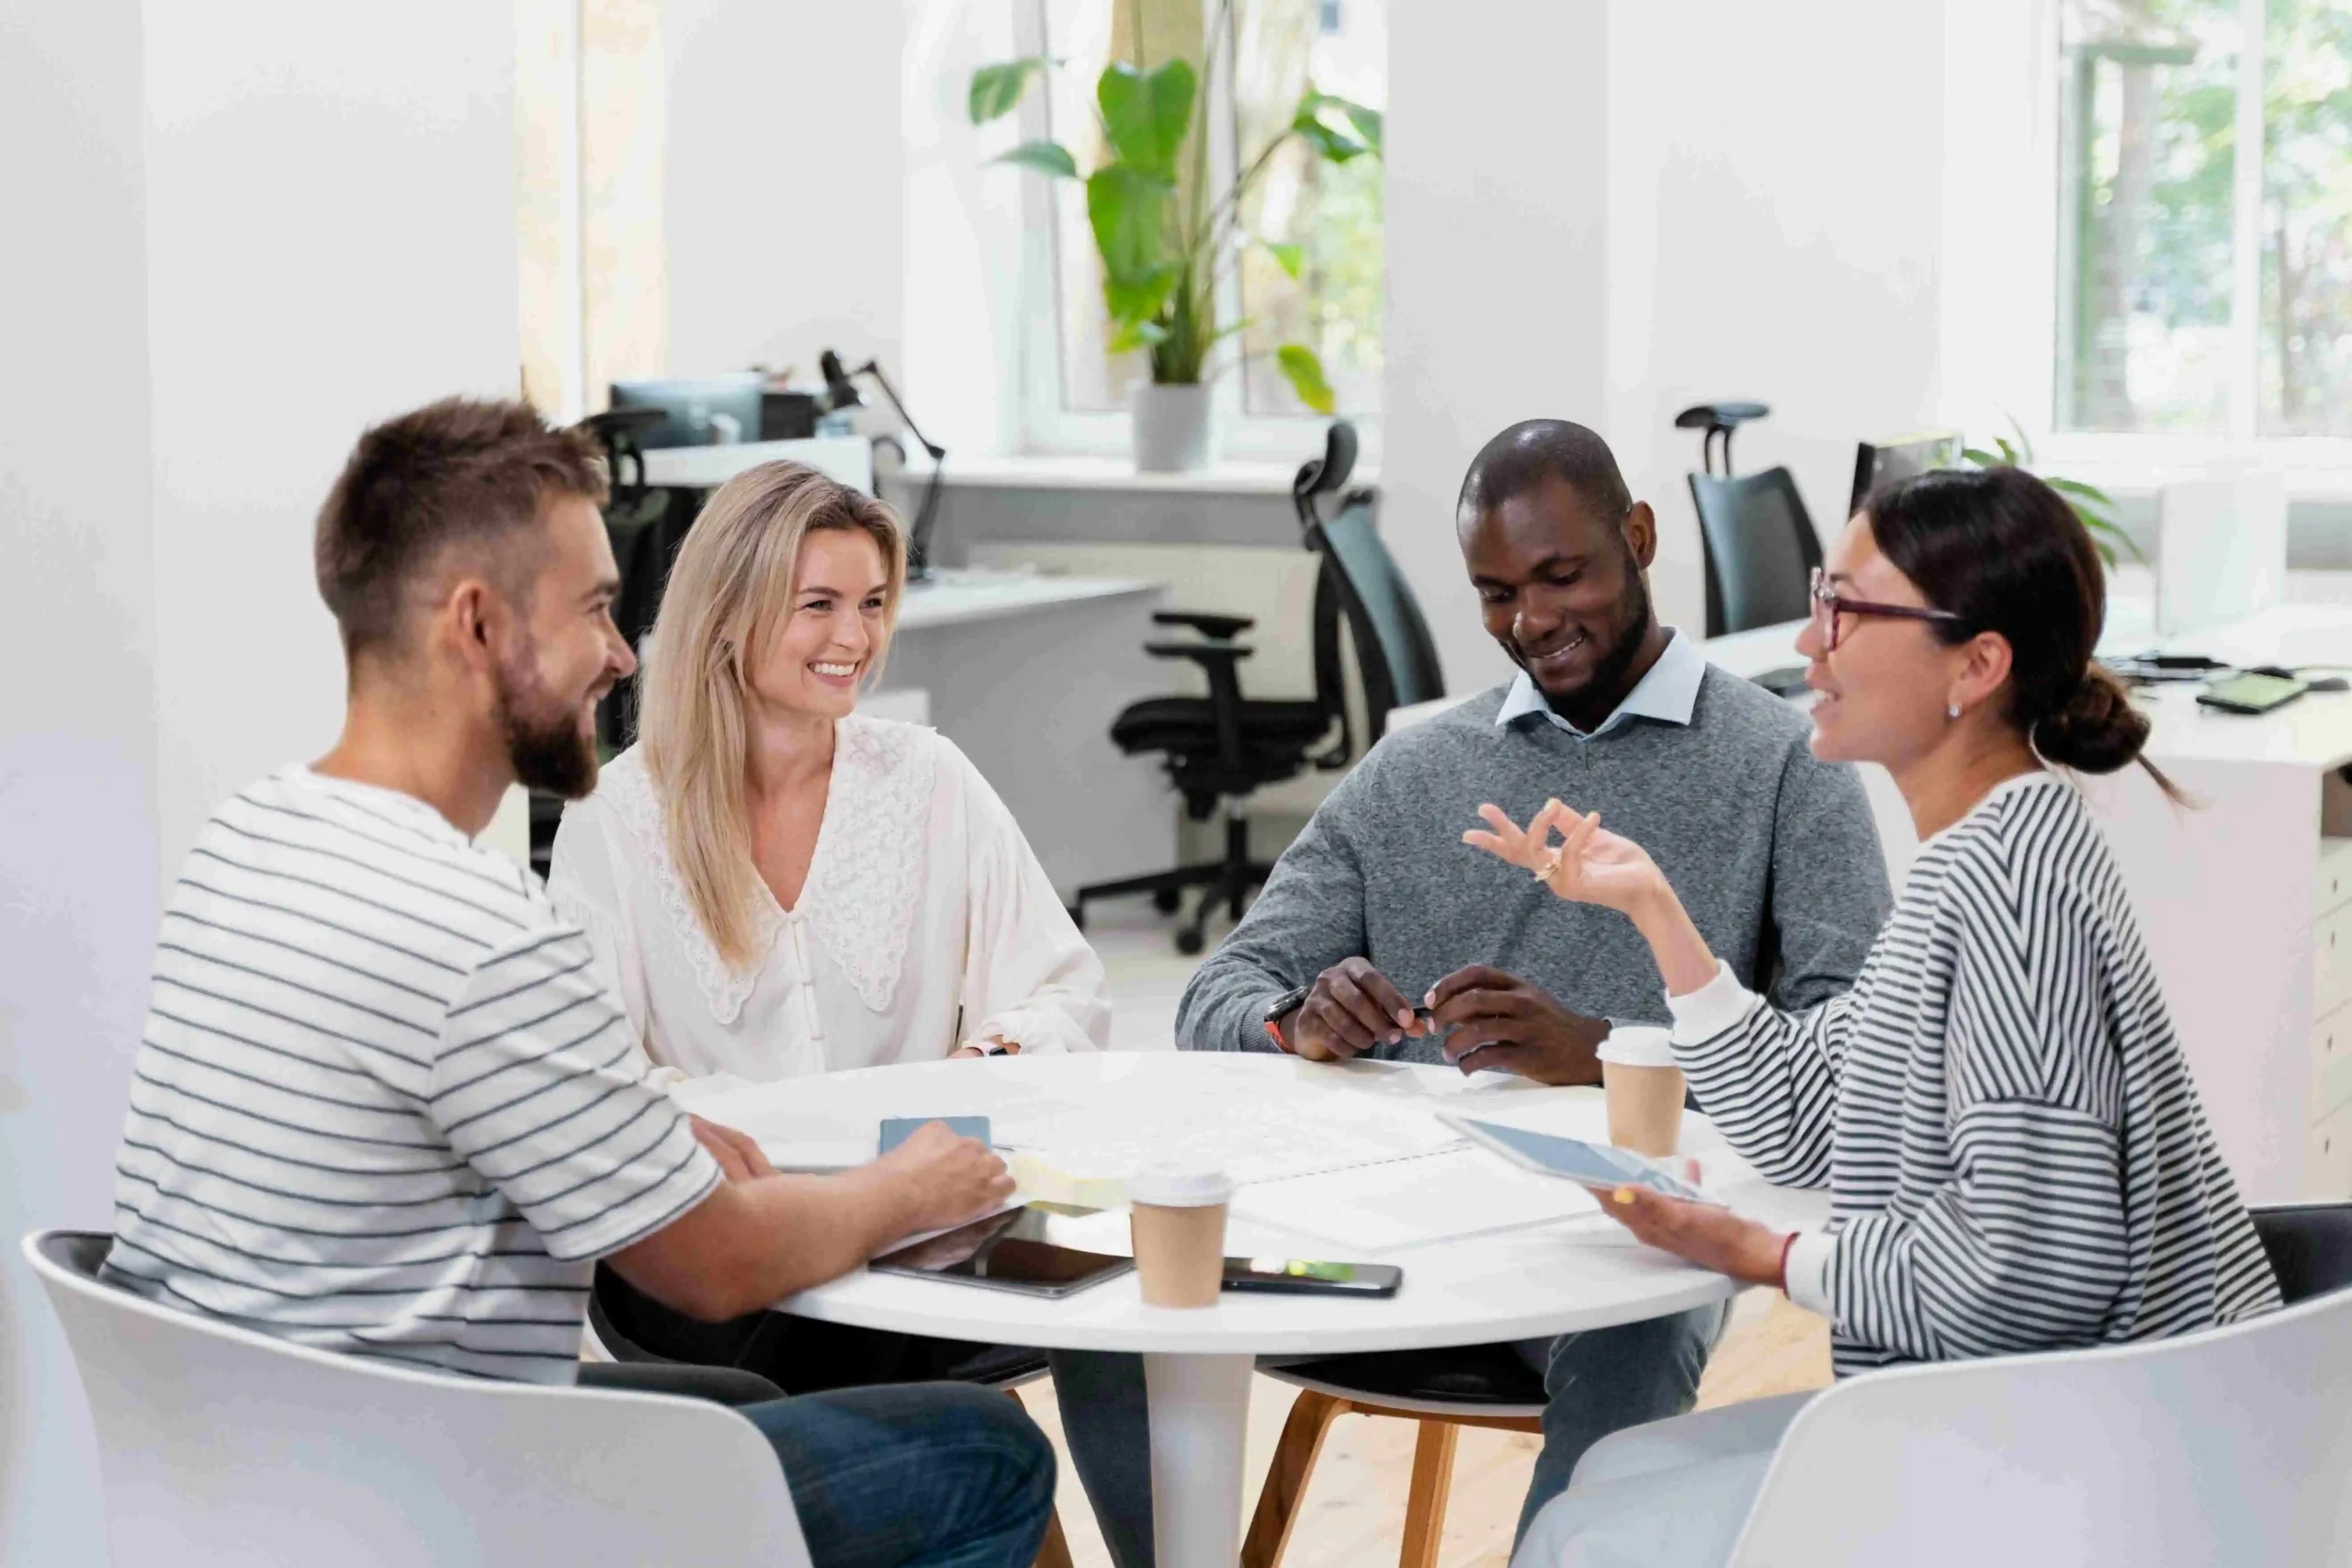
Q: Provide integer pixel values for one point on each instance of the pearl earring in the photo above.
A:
(1951, 710)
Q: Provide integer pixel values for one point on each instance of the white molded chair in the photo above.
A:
(219, 1446)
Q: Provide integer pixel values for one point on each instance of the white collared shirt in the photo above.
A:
(1668, 692)
(925, 923)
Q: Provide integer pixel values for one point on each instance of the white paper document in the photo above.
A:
(1445, 1196)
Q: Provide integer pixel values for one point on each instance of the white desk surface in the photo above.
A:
(1578, 1273)
(1035, 471)
(849, 459)
(955, 595)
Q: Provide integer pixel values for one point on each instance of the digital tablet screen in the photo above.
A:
(1594, 1165)
(1017, 1250)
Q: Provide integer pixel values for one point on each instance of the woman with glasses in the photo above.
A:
(2015, 1150)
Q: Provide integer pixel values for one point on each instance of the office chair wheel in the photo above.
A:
(1168, 900)
(1188, 943)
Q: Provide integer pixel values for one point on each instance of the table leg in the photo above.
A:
(1200, 1412)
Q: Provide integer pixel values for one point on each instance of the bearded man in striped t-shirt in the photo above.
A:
(382, 1105)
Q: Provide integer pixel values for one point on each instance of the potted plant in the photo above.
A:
(1165, 241)
(2090, 503)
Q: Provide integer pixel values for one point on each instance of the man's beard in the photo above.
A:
(543, 740)
(1617, 660)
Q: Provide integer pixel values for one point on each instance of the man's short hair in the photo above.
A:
(461, 472)
(1535, 450)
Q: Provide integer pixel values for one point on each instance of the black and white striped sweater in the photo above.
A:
(2015, 1149)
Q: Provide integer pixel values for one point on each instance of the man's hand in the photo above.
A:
(738, 1155)
(1351, 1008)
(1501, 1021)
(945, 1180)
(1711, 1236)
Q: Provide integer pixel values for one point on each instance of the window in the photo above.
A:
(1268, 54)
(2205, 223)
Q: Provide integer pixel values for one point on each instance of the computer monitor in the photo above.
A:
(1877, 463)
(696, 408)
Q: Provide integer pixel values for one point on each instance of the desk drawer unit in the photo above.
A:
(2330, 1169)
(2330, 1160)
(2330, 960)
(2331, 1064)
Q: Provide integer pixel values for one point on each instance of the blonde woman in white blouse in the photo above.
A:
(777, 886)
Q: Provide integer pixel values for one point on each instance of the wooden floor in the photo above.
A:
(1355, 1505)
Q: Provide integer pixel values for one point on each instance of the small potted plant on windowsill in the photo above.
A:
(1165, 241)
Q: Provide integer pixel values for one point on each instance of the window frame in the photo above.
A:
(2313, 466)
(1046, 425)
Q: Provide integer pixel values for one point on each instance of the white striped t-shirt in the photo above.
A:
(382, 1104)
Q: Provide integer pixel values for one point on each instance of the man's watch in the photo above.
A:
(1281, 1008)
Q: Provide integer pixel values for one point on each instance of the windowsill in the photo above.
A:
(1038, 471)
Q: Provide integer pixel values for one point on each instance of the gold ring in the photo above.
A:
(1551, 865)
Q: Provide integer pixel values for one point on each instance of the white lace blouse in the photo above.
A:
(925, 923)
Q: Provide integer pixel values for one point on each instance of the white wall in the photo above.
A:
(1496, 197)
(77, 752)
(784, 181)
(1640, 205)
(238, 232)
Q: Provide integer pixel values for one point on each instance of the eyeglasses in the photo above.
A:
(1828, 606)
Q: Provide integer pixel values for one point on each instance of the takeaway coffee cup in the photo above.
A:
(1176, 1215)
(1645, 1090)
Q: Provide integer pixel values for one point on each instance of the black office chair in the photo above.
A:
(1220, 749)
(1760, 549)
(2309, 1246)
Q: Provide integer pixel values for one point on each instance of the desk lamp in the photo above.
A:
(841, 392)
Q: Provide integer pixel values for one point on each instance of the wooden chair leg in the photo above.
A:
(1310, 1421)
(1054, 1550)
(1425, 1503)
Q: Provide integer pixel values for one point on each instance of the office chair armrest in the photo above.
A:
(1201, 653)
(1219, 627)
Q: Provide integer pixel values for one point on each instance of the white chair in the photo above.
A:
(219, 1446)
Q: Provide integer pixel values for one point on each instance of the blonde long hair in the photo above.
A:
(728, 595)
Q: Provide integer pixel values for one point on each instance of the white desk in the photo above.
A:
(1024, 672)
(1581, 1273)
(2245, 901)
(849, 459)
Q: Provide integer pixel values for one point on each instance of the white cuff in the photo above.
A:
(1701, 1015)
(1808, 1270)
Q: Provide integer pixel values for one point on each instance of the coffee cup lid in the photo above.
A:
(1638, 1046)
(1174, 1185)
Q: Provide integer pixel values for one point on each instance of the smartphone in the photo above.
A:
(1589, 1165)
(1291, 1276)
(897, 1130)
(2248, 693)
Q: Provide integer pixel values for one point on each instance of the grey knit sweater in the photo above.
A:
(1774, 853)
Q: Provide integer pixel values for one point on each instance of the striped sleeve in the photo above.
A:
(1768, 1079)
(538, 1086)
(2027, 1245)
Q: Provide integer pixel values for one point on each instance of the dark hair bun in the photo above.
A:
(2096, 730)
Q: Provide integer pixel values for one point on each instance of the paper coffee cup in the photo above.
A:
(1176, 1218)
(1643, 1087)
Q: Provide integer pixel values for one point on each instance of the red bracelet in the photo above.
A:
(1275, 1029)
(1786, 1248)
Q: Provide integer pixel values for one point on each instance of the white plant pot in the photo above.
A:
(1172, 430)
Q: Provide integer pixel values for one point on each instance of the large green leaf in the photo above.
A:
(1133, 302)
(1126, 206)
(1046, 157)
(1305, 373)
(996, 89)
(1329, 128)
(1146, 113)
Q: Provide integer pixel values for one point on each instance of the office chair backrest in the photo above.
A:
(2309, 1246)
(2226, 1445)
(1394, 653)
(1760, 549)
(219, 1446)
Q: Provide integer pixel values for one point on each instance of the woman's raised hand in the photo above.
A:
(1589, 866)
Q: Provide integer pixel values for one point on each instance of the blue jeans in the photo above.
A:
(913, 1475)
(1598, 1381)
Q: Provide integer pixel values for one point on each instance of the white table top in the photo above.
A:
(849, 459)
(954, 596)
(1573, 1274)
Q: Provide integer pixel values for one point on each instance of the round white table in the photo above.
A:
(1515, 1284)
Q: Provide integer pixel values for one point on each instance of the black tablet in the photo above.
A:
(1011, 1251)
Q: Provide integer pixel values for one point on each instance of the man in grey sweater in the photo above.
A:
(1378, 905)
